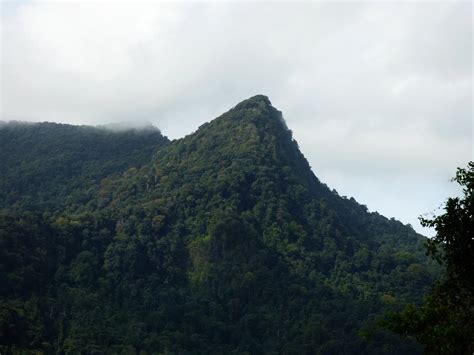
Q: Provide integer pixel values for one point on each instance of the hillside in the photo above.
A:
(221, 242)
(41, 164)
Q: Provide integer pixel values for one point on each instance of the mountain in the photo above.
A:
(221, 242)
(42, 164)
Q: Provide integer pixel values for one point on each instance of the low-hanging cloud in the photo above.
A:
(375, 93)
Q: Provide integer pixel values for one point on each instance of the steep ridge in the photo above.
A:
(244, 160)
(226, 242)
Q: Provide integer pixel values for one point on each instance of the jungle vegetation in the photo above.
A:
(221, 242)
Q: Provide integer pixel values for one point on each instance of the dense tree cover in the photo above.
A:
(43, 164)
(225, 242)
(445, 322)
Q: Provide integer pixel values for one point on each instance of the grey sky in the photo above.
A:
(378, 95)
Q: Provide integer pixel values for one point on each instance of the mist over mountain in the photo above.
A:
(135, 125)
(223, 241)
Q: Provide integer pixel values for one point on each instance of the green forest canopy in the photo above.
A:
(221, 242)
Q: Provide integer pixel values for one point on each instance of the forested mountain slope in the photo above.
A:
(224, 242)
(43, 163)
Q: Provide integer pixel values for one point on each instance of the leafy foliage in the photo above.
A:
(445, 322)
(223, 242)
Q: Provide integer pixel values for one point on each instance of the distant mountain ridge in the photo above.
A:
(43, 163)
(223, 241)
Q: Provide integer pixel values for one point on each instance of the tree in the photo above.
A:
(453, 244)
(445, 322)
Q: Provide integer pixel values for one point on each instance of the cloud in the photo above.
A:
(378, 92)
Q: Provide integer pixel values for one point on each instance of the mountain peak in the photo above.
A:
(257, 101)
(258, 108)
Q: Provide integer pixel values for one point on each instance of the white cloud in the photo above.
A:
(378, 92)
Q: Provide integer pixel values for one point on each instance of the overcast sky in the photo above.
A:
(378, 95)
